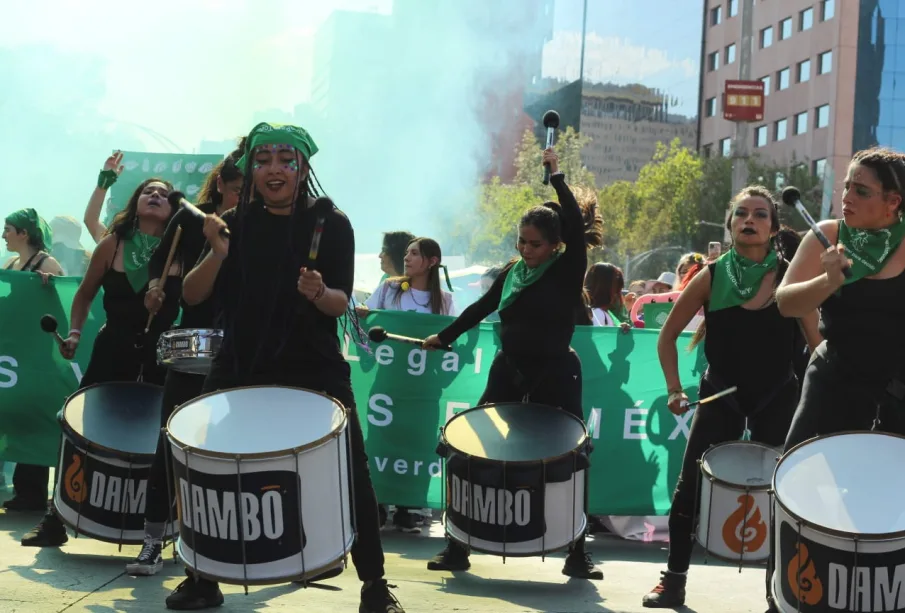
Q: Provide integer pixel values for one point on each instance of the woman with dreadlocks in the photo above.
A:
(219, 193)
(538, 296)
(121, 351)
(737, 295)
(280, 317)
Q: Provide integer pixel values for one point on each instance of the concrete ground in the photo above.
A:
(87, 575)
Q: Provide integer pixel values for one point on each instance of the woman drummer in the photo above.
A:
(748, 344)
(538, 296)
(122, 351)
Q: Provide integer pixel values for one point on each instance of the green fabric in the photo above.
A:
(869, 249)
(520, 277)
(655, 314)
(137, 252)
(278, 134)
(33, 225)
(737, 279)
(106, 178)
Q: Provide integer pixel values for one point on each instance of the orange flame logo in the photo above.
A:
(803, 579)
(74, 480)
(745, 530)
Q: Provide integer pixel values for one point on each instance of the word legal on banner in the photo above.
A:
(743, 101)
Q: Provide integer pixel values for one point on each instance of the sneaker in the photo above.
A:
(406, 521)
(195, 594)
(50, 532)
(669, 593)
(149, 561)
(20, 503)
(377, 598)
(454, 557)
(579, 566)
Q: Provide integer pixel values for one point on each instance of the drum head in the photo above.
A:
(122, 417)
(741, 463)
(255, 420)
(515, 432)
(850, 482)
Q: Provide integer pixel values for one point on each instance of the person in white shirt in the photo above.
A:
(604, 284)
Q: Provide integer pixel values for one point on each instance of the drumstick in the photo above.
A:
(166, 269)
(718, 395)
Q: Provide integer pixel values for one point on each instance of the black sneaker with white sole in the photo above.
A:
(149, 560)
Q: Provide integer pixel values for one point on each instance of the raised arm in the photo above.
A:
(576, 255)
(476, 312)
(814, 274)
(112, 169)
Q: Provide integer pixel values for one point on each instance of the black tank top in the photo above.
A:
(125, 308)
(753, 349)
(33, 263)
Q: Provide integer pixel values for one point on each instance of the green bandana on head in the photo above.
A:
(736, 279)
(869, 249)
(520, 277)
(137, 252)
(28, 221)
(278, 134)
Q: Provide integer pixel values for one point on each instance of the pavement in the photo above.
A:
(87, 575)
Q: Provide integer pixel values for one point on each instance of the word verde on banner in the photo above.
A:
(405, 395)
(184, 170)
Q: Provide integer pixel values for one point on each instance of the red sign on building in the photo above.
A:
(743, 101)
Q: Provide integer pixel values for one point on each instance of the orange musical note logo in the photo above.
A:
(744, 529)
(74, 480)
(803, 579)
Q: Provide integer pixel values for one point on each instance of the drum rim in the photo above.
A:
(90, 445)
(187, 331)
(336, 433)
(584, 440)
(766, 487)
(508, 554)
(825, 530)
(174, 529)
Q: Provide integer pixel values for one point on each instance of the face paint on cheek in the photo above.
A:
(293, 166)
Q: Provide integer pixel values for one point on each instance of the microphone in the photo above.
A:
(49, 324)
(379, 335)
(792, 197)
(177, 199)
(551, 122)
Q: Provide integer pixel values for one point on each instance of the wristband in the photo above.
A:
(106, 178)
(320, 293)
(76, 332)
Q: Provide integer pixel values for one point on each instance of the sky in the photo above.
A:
(85, 77)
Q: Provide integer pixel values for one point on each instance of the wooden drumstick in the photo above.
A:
(166, 270)
(725, 392)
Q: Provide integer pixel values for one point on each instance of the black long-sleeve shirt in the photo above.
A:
(191, 243)
(541, 321)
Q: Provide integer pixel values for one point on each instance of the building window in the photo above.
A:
(708, 151)
(760, 137)
(804, 71)
(780, 130)
(827, 9)
(730, 53)
(766, 37)
(713, 61)
(710, 107)
(820, 167)
(733, 8)
(823, 116)
(782, 79)
(726, 147)
(785, 28)
(766, 81)
(716, 15)
(806, 19)
(801, 123)
(825, 62)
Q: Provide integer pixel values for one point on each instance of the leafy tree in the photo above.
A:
(568, 146)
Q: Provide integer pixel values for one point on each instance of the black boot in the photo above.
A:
(453, 557)
(579, 566)
(50, 532)
(377, 598)
(195, 594)
(669, 593)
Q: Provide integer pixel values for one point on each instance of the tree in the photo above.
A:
(569, 145)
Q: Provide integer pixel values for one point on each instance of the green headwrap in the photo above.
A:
(28, 221)
(278, 134)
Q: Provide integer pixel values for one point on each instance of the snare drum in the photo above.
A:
(734, 521)
(515, 478)
(190, 350)
(110, 434)
(262, 481)
(839, 541)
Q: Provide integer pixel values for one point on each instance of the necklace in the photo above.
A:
(425, 305)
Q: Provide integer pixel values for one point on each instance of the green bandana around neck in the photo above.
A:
(520, 277)
(737, 279)
(137, 252)
(277, 134)
(28, 221)
(869, 249)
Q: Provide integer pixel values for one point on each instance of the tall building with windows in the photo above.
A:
(813, 56)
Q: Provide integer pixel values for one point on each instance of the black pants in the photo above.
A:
(719, 422)
(333, 380)
(30, 482)
(178, 388)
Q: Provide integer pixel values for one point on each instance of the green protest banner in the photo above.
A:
(404, 396)
(185, 171)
